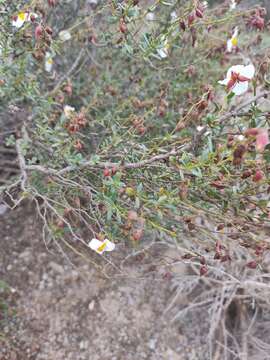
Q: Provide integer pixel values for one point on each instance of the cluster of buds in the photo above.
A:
(221, 252)
(43, 36)
(259, 136)
(196, 13)
(68, 89)
(108, 172)
(257, 19)
(42, 33)
(76, 122)
(138, 124)
(238, 154)
(141, 104)
(135, 225)
(78, 145)
(52, 3)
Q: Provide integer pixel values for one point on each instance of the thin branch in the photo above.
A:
(104, 165)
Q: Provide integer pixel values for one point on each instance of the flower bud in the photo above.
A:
(48, 30)
(203, 270)
(252, 264)
(38, 32)
(182, 25)
(106, 172)
(258, 176)
(52, 3)
(191, 18)
(199, 13)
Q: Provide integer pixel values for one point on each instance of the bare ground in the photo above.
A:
(60, 311)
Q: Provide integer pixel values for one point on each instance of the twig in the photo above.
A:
(21, 164)
(103, 165)
(67, 75)
(235, 112)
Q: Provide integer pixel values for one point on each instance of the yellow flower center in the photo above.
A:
(234, 41)
(102, 247)
(22, 16)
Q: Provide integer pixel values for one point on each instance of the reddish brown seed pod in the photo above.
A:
(258, 176)
(238, 154)
(246, 174)
(137, 234)
(113, 170)
(252, 264)
(203, 270)
(52, 3)
(68, 89)
(48, 30)
(225, 258)
(182, 25)
(106, 172)
(191, 18)
(199, 13)
(123, 26)
(78, 145)
(38, 32)
(202, 260)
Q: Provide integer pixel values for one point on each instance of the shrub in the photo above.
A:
(125, 132)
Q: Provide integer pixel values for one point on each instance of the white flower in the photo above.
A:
(101, 246)
(200, 128)
(68, 111)
(233, 5)
(238, 77)
(64, 35)
(205, 4)
(233, 41)
(21, 18)
(150, 16)
(163, 51)
(48, 62)
(241, 137)
(173, 16)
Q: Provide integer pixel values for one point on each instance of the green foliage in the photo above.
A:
(141, 87)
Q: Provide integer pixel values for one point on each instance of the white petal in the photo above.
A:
(31, 16)
(163, 53)
(248, 71)
(109, 245)
(48, 66)
(68, 111)
(18, 23)
(101, 246)
(240, 88)
(95, 244)
(232, 5)
(235, 33)
(64, 35)
(229, 45)
(173, 16)
(224, 82)
(236, 69)
(150, 16)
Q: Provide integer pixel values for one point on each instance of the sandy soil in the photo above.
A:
(60, 311)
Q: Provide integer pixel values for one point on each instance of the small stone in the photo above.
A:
(3, 209)
(56, 267)
(91, 305)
